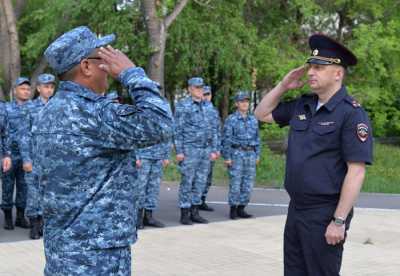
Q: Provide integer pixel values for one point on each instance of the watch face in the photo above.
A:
(338, 221)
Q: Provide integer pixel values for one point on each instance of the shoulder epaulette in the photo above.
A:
(353, 102)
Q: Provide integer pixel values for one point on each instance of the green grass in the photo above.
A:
(382, 177)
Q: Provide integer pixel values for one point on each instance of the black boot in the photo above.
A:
(8, 220)
(185, 216)
(139, 221)
(150, 221)
(194, 215)
(204, 206)
(233, 213)
(35, 228)
(41, 226)
(21, 221)
(242, 213)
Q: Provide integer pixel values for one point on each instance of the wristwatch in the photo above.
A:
(338, 221)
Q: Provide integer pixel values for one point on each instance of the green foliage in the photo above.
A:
(226, 41)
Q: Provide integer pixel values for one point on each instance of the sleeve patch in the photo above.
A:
(362, 132)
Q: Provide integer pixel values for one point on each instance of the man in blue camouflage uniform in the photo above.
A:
(5, 152)
(329, 145)
(82, 148)
(45, 88)
(149, 163)
(207, 94)
(17, 114)
(195, 145)
(241, 151)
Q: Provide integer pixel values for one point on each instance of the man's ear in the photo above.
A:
(84, 67)
(339, 75)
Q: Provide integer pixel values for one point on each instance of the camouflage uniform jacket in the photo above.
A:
(82, 144)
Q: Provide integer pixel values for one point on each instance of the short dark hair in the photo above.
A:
(69, 75)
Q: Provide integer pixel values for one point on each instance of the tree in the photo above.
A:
(157, 28)
(9, 43)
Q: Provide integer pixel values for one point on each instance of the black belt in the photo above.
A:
(244, 148)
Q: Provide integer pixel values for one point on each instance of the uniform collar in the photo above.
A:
(15, 103)
(196, 102)
(311, 100)
(240, 116)
(336, 99)
(79, 90)
(40, 100)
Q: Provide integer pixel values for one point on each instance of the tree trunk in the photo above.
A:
(14, 66)
(4, 54)
(225, 103)
(157, 29)
(41, 66)
(157, 37)
(19, 8)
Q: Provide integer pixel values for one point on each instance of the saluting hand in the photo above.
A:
(334, 234)
(114, 61)
(138, 163)
(292, 79)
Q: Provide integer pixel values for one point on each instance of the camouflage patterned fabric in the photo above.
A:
(241, 144)
(195, 137)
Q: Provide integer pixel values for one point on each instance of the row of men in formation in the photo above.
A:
(199, 140)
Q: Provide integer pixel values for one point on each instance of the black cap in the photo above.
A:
(325, 51)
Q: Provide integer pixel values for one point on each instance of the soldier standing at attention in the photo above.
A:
(45, 87)
(195, 145)
(215, 119)
(241, 151)
(82, 145)
(329, 145)
(17, 116)
(5, 152)
(150, 162)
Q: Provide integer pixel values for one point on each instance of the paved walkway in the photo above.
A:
(235, 248)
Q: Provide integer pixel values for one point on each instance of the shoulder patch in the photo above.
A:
(362, 132)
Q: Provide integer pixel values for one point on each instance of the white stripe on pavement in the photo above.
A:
(287, 205)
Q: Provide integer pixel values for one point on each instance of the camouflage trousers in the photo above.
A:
(149, 179)
(209, 180)
(14, 177)
(194, 171)
(100, 262)
(33, 200)
(242, 174)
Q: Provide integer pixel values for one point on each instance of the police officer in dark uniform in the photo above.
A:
(330, 142)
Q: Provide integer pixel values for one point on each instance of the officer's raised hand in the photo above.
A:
(138, 163)
(293, 79)
(270, 101)
(114, 61)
